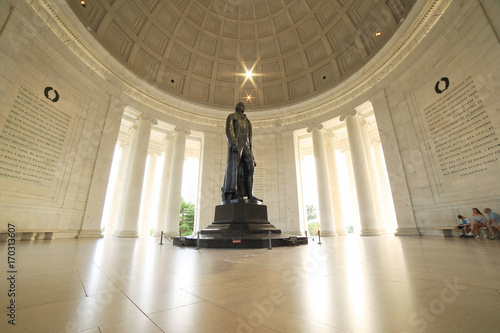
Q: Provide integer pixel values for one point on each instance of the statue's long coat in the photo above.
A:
(236, 123)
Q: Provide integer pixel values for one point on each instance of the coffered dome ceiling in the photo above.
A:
(199, 50)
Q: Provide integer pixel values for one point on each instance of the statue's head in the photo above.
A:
(240, 107)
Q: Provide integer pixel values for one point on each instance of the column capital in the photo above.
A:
(147, 117)
(169, 136)
(154, 152)
(183, 129)
(351, 113)
(329, 133)
(314, 127)
(364, 122)
(132, 129)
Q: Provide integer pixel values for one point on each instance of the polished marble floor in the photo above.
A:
(346, 284)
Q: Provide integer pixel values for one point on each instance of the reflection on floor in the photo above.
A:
(347, 284)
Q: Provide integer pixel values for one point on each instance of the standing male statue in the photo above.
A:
(238, 180)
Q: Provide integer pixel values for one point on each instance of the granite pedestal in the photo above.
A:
(240, 217)
(240, 223)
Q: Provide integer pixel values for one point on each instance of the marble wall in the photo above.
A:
(55, 123)
(445, 110)
(437, 111)
(276, 179)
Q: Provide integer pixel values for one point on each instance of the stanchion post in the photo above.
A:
(161, 239)
(269, 247)
(319, 237)
(198, 241)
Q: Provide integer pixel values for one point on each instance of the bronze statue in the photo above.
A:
(238, 180)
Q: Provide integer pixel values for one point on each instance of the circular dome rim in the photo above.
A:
(293, 89)
(92, 53)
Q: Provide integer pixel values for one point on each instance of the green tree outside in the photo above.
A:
(186, 218)
(311, 212)
(313, 228)
(312, 216)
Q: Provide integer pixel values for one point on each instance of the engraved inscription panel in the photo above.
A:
(464, 138)
(32, 140)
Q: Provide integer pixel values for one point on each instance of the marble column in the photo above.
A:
(334, 183)
(175, 186)
(403, 206)
(129, 223)
(377, 196)
(91, 224)
(147, 195)
(164, 183)
(385, 187)
(323, 182)
(366, 203)
(208, 182)
(132, 132)
(115, 195)
(352, 188)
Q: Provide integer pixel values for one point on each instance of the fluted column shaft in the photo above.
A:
(377, 196)
(164, 183)
(385, 188)
(208, 182)
(114, 196)
(126, 175)
(131, 205)
(175, 186)
(147, 195)
(366, 203)
(352, 186)
(323, 183)
(334, 184)
(403, 205)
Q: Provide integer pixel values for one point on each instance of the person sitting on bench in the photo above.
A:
(493, 222)
(463, 224)
(479, 221)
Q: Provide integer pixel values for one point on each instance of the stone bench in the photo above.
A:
(446, 231)
(29, 235)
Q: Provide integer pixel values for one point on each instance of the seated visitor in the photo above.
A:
(479, 221)
(462, 225)
(493, 222)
